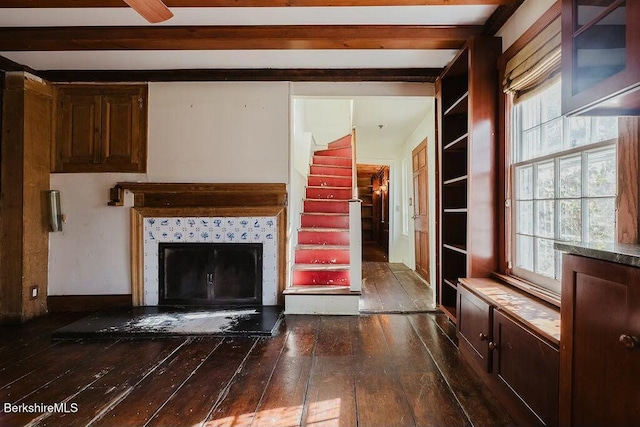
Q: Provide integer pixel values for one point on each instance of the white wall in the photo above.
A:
(521, 20)
(198, 132)
(403, 245)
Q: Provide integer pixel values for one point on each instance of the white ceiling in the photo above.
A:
(173, 59)
(329, 119)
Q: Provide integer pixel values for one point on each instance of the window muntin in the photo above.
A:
(564, 175)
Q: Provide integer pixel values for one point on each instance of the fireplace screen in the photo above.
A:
(210, 273)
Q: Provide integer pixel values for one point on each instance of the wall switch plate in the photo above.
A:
(33, 292)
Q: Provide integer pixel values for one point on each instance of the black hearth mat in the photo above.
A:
(171, 321)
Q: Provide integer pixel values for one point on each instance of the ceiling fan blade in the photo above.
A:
(153, 11)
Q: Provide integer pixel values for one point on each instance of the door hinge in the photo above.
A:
(507, 203)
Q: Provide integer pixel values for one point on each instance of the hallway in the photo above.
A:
(393, 288)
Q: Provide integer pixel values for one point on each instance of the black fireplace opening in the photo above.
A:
(222, 274)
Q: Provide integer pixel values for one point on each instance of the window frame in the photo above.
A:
(628, 175)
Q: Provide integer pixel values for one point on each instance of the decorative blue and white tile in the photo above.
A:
(210, 229)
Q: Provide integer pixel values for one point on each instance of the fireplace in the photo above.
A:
(221, 274)
(186, 235)
(194, 213)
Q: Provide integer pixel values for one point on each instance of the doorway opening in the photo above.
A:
(387, 129)
(373, 190)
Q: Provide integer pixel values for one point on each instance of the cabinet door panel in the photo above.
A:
(528, 366)
(474, 326)
(78, 130)
(118, 129)
(599, 382)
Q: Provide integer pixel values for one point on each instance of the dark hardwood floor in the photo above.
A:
(373, 370)
(372, 251)
(393, 288)
(378, 370)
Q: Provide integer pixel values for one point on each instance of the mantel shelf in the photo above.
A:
(178, 195)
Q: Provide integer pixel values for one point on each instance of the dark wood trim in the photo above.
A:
(60, 303)
(500, 17)
(504, 131)
(628, 223)
(237, 37)
(415, 75)
(245, 3)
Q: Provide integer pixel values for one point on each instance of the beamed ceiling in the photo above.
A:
(313, 40)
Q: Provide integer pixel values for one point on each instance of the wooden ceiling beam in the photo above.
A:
(245, 3)
(236, 37)
(418, 75)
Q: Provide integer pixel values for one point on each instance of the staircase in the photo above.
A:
(320, 279)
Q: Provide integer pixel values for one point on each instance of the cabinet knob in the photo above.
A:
(482, 337)
(629, 342)
(492, 345)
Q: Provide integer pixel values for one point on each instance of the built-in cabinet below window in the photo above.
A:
(512, 341)
(100, 128)
(601, 57)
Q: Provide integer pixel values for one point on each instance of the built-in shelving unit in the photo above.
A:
(467, 102)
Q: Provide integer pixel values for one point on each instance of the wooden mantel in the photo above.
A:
(176, 195)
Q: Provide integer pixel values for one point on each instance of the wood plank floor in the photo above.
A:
(393, 288)
(369, 370)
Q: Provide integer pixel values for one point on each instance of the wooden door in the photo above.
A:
(421, 209)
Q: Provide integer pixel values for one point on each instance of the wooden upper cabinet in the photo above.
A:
(601, 57)
(100, 128)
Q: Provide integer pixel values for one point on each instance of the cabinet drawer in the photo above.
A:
(528, 366)
(474, 327)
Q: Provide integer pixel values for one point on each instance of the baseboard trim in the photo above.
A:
(61, 303)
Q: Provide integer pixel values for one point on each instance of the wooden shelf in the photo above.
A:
(455, 180)
(450, 283)
(449, 311)
(458, 142)
(459, 106)
(458, 248)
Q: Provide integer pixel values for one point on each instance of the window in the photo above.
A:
(564, 175)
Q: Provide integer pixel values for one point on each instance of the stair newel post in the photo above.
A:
(355, 230)
(354, 169)
(355, 245)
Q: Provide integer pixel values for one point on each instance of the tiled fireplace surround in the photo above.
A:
(211, 230)
(203, 213)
